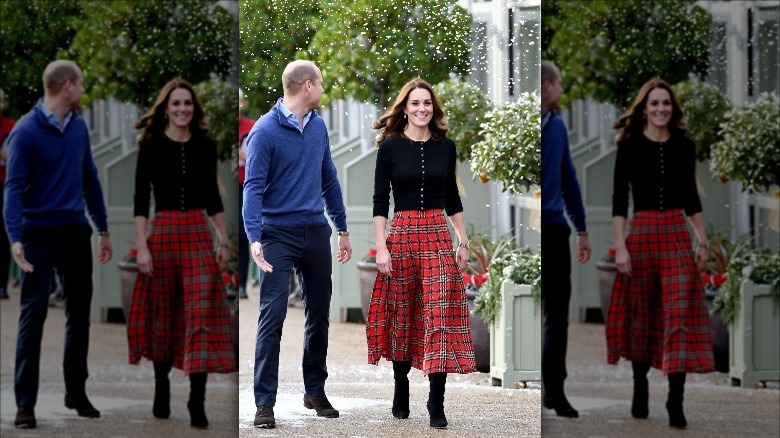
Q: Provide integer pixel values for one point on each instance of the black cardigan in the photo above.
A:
(660, 175)
(422, 175)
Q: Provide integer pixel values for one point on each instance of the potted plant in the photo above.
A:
(367, 270)
(482, 252)
(509, 302)
(749, 301)
(128, 273)
(511, 149)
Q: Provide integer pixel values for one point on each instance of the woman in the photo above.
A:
(179, 316)
(658, 314)
(418, 316)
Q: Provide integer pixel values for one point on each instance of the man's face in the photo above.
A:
(552, 91)
(316, 91)
(76, 90)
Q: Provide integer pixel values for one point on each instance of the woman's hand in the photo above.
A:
(383, 262)
(144, 261)
(623, 261)
(223, 256)
(462, 257)
(702, 255)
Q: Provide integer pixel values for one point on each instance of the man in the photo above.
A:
(244, 126)
(290, 180)
(51, 179)
(6, 124)
(560, 190)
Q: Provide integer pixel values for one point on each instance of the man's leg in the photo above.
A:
(317, 288)
(74, 262)
(279, 249)
(34, 302)
(556, 294)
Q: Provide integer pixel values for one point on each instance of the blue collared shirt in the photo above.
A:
(53, 119)
(292, 118)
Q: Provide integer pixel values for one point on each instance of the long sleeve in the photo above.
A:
(331, 192)
(620, 184)
(93, 192)
(382, 173)
(572, 197)
(213, 200)
(691, 201)
(19, 162)
(143, 182)
(452, 203)
(258, 161)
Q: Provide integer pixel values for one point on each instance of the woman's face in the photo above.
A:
(419, 107)
(658, 109)
(180, 108)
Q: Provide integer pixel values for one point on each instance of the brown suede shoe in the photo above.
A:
(320, 404)
(25, 418)
(264, 417)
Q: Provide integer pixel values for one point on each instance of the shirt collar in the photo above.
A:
(52, 118)
(292, 118)
(547, 116)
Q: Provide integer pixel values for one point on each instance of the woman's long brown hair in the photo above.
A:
(153, 123)
(632, 122)
(393, 122)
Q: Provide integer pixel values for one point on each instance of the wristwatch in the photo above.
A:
(343, 233)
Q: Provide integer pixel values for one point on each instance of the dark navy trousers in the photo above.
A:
(556, 295)
(307, 250)
(69, 249)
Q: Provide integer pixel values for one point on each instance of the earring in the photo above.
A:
(644, 116)
(404, 115)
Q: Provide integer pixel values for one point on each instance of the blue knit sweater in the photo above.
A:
(51, 176)
(559, 178)
(291, 180)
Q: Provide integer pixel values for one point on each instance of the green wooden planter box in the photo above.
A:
(516, 338)
(754, 336)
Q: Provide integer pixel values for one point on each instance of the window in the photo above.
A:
(718, 57)
(766, 50)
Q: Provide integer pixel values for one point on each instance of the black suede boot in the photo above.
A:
(436, 400)
(162, 390)
(401, 394)
(639, 408)
(197, 399)
(675, 400)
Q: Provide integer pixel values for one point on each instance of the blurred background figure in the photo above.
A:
(244, 126)
(6, 124)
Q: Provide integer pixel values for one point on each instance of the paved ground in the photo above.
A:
(122, 392)
(602, 393)
(363, 393)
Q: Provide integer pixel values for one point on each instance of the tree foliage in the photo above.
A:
(704, 107)
(220, 103)
(749, 149)
(606, 50)
(272, 33)
(33, 33)
(511, 149)
(465, 107)
(368, 49)
(129, 49)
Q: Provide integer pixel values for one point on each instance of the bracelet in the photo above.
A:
(224, 245)
(104, 233)
(704, 245)
(582, 233)
(463, 245)
(344, 233)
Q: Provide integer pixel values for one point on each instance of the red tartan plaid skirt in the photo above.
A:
(180, 313)
(659, 314)
(419, 313)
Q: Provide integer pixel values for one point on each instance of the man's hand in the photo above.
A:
(259, 258)
(105, 251)
(345, 250)
(17, 250)
(583, 249)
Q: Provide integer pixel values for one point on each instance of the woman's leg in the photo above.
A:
(162, 390)
(436, 400)
(197, 399)
(401, 394)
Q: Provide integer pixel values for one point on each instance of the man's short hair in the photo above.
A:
(57, 73)
(296, 74)
(549, 71)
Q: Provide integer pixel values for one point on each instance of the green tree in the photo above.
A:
(606, 50)
(220, 103)
(465, 107)
(33, 34)
(272, 33)
(129, 49)
(368, 49)
(704, 107)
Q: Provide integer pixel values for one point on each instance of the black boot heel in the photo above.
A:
(435, 403)
(197, 399)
